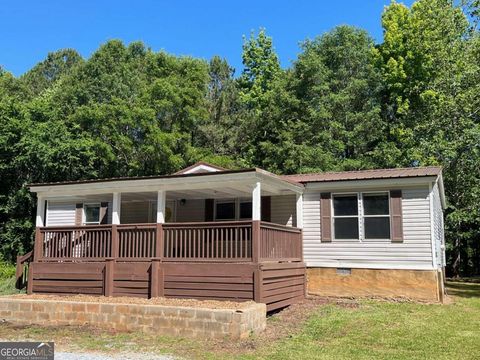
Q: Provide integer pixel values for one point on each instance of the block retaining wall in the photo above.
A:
(158, 319)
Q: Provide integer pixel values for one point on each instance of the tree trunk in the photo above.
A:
(456, 263)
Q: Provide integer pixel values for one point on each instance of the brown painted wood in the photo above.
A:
(54, 276)
(226, 294)
(283, 290)
(209, 285)
(396, 215)
(55, 289)
(226, 270)
(282, 284)
(31, 270)
(79, 283)
(154, 280)
(326, 217)
(109, 273)
(210, 279)
(281, 304)
(132, 291)
(257, 285)
(66, 268)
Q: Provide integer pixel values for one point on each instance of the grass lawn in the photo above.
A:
(364, 329)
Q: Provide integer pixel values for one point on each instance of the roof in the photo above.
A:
(128, 178)
(296, 179)
(200, 165)
(366, 174)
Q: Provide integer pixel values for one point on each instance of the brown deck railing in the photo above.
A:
(236, 241)
(222, 241)
(278, 242)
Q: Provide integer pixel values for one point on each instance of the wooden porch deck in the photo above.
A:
(238, 261)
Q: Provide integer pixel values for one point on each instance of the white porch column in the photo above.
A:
(161, 202)
(40, 218)
(299, 208)
(257, 202)
(116, 206)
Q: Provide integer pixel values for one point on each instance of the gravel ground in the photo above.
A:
(61, 355)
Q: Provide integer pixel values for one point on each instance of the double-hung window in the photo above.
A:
(234, 209)
(345, 216)
(361, 216)
(376, 216)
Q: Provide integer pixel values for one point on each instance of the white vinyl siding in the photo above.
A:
(438, 230)
(134, 212)
(191, 211)
(413, 253)
(283, 210)
(60, 214)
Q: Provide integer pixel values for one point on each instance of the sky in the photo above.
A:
(30, 29)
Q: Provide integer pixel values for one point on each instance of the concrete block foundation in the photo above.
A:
(158, 319)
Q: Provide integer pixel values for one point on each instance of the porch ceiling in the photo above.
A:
(192, 186)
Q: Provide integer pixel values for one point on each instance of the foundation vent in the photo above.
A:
(344, 271)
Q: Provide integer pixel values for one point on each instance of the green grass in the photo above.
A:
(382, 330)
(371, 330)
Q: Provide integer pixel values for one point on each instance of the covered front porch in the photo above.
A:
(221, 235)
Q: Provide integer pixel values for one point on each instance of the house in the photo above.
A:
(209, 232)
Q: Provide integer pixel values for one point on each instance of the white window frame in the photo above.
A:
(360, 215)
(373, 216)
(84, 216)
(237, 202)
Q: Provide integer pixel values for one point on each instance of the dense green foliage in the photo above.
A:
(345, 103)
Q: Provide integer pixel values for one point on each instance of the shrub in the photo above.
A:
(7, 270)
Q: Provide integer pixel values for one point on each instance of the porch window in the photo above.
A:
(225, 210)
(245, 210)
(91, 213)
(345, 216)
(376, 217)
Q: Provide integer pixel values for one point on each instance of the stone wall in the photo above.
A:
(414, 284)
(158, 319)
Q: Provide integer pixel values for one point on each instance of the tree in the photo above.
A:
(338, 90)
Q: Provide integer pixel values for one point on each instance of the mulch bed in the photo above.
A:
(208, 304)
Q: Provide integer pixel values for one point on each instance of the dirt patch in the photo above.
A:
(281, 325)
(208, 304)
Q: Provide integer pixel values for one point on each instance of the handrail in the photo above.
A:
(20, 274)
(207, 224)
(183, 241)
(74, 227)
(286, 228)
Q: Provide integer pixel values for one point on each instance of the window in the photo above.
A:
(233, 209)
(246, 210)
(91, 213)
(345, 216)
(225, 210)
(376, 216)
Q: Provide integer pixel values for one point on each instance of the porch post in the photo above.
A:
(40, 218)
(161, 201)
(300, 211)
(116, 206)
(257, 202)
(256, 218)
